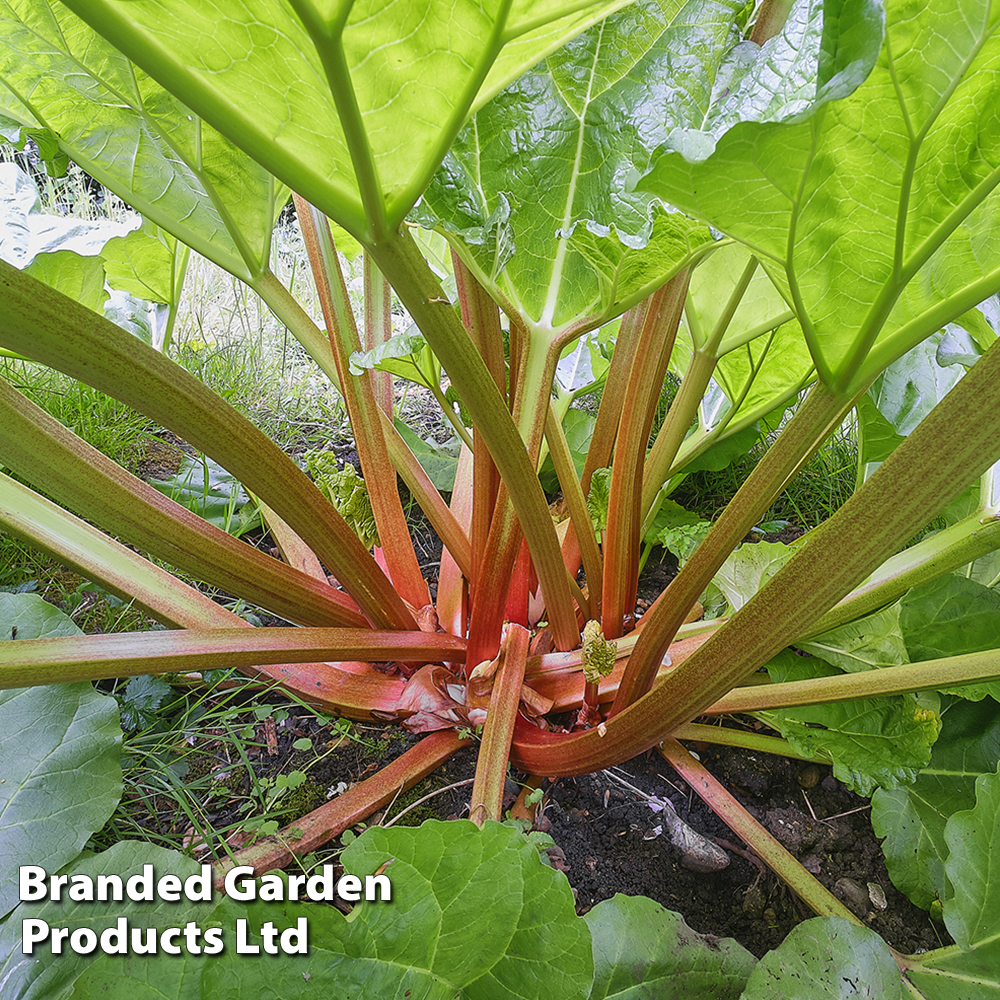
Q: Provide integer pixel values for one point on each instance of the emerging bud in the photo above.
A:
(598, 653)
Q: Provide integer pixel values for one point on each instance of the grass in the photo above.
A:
(210, 766)
(818, 491)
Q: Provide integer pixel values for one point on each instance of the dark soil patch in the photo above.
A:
(607, 835)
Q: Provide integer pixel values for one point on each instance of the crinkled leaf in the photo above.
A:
(678, 530)
(625, 265)
(347, 491)
(748, 568)
(59, 749)
(871, 742)
(599, 498)
(143, 696)
(579, 128)
(972, 912)
(950, 616)
(847, 250)
(44, 976)
(827, 958)
(912, 818)
(643, 950)
(26, 231)
(864, 644)
(404, 78)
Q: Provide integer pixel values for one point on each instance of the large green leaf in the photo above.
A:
(950, 616)
(206, 489)
(912, 818)
(643, 950)
(134, 137)
(442, 875)
(662, 74)
(972, 910)
(352, 105)
(864, 644)
(578, 128)
(26, 231)
(44, 976)
(871, 741)
(924, 132)
(748, 568)
(144, 264)
(827, 959)
(63, 252)
(473, 913)
(900, 398)
(58, 756)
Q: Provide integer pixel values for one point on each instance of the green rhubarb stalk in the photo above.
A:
(71, 338)
(378, 327)
(363, 409)
(125, 654)
(723, 737)
(42, 450)
(505, 536)
(482, 319)
(281, 302)
(576, 503)
(97, 557)
(927, 675)
(821, 411)
(947, 550)
(692, 389)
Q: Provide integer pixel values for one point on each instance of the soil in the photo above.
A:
(606, 838)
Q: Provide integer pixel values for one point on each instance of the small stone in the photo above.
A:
(809, 777)
(853, 895)
(877, 895)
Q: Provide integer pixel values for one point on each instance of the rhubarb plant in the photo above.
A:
(784, 200)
